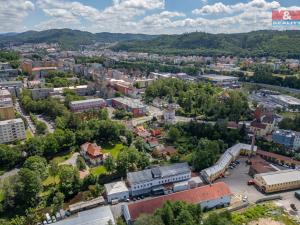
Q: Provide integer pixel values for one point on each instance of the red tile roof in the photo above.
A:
(192, 196)
(277, 156)
(92, 149)
(258, 125)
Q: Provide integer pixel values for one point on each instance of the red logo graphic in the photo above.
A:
(286, 15)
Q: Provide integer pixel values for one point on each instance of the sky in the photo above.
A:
(141, 16)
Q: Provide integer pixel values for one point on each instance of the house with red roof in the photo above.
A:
(209, 196)
(92, 153)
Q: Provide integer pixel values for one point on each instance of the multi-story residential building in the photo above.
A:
(152, 180)
(89, 104)
(278, 181)
(12, 130)
(13, 87)
(92, 153)
(4, 93)
(7, 111)
(135, 106)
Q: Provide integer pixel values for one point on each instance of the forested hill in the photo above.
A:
(257, 43)
(69, 39)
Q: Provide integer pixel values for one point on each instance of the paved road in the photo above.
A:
(9, 173)
(48, 124)
(23, 114)
(72, 160)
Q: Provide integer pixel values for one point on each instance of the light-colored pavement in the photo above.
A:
(237, 179)
(9, 173)
(72, 160)
(48, 124)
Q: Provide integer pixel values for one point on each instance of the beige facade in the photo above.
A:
(7, 112)
(278, 181)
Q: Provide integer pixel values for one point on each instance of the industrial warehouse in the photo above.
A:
(278, 181)
(212, 173)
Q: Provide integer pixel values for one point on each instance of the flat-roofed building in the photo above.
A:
(7, 111)
(4, 93)
(153, 180)
(97, 216)
(278, 181)
(231, 154)
(219, 80)
(12, 130)
(288, 102)
(135, 106)
(209, 196)
(89, 104)
(116, 191)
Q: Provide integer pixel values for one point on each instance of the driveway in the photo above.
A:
(72, 160)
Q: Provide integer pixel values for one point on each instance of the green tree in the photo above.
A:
(149, 220)
(69, 180)
(174, 134)
(109, 164)
(80, 163)
(37, 164)
(28, 187)
(41, 127)
(57, 202)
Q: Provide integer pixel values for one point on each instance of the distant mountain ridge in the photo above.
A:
(69, 39)
(256, 43)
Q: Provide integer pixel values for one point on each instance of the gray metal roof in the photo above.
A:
(174, 169)
(139, 177)
(96, 216)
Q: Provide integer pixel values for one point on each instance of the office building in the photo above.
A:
(209, 196)
(89, 104)
(12, 130)
(287, 138)
(278, 181)
(153, 180)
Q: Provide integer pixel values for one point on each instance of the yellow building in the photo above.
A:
(7, 112)
(278, 181)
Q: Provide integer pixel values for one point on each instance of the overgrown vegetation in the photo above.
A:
(200, 99)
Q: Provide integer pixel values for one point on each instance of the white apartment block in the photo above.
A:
(12, 130)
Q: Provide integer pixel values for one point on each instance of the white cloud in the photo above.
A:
(12, 14)
(220, 8)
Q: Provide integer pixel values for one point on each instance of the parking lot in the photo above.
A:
(237, 179)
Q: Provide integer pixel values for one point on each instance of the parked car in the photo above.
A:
(245, 198)
(251, 182)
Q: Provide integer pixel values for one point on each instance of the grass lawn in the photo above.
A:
(28, 134)
(62, 157)
(1, 195)
(113, 150)
(98, 170)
